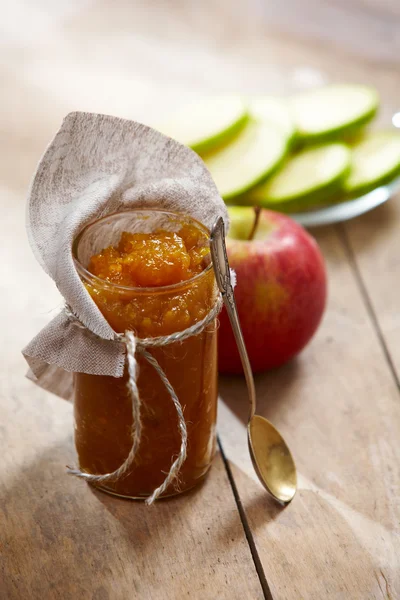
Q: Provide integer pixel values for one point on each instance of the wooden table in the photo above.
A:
(337, 404)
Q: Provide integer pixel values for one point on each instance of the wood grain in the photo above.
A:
(61, 539)
(337, 404)
(373, 244)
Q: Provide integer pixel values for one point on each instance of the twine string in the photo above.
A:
(140, 346)
(177, 464)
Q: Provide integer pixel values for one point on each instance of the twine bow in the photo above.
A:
(140, 346)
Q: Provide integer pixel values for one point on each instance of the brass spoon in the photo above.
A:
(269, 453)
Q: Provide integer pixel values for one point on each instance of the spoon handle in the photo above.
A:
(223, 277)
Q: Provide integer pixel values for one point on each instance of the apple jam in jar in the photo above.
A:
(149, 272)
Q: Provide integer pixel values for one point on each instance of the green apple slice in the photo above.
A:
(253, 154)
(333, 110)
(207, 123)
(311, 175)
(375, 161)
(273, 110)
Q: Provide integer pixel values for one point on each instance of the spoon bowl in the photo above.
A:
(272, 459)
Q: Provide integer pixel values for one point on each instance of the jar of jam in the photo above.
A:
(149, 272)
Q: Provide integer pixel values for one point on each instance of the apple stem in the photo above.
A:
(257, 212)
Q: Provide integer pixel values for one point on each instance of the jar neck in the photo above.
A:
(148, 311)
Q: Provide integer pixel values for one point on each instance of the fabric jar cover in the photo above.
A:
(97, 165)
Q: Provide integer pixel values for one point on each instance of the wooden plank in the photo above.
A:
(334, 23)
(62, 540)
(373, 244)
(339, 409)
(380, 8)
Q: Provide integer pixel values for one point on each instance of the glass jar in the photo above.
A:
(102, 408)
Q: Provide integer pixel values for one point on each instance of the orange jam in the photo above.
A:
(152, 259)
(153, 282)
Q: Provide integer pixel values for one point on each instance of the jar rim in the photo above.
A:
(103, 283)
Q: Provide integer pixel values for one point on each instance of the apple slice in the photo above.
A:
(207, 123)
(253, 154)
(333, 110)
(274, 110)
(375, 161)
(309, 176)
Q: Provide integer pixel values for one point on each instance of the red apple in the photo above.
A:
(280, 291)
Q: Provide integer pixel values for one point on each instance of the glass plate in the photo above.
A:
(349, 209)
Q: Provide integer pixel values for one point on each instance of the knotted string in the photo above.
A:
(139, 346)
